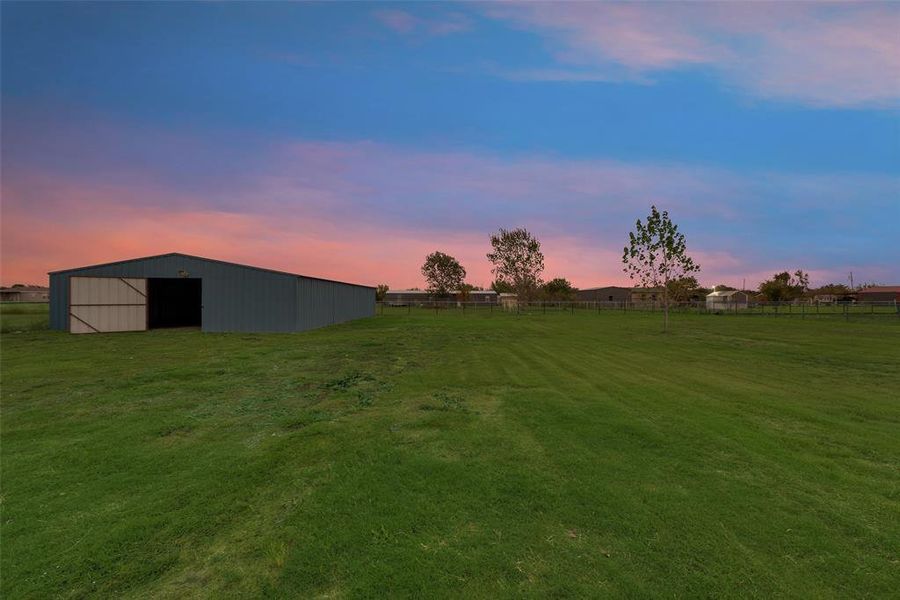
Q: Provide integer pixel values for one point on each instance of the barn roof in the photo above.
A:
(212, 260)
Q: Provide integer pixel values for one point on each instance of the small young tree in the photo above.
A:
(443, 273)
(517, 260)
(381, 291)
(657, 254)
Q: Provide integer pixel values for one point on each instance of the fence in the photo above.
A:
(802, 310)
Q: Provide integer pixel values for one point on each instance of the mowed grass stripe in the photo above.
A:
(423, 455)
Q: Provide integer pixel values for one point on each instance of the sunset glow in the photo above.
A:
(350, 140)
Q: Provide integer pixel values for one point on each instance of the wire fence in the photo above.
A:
(800, 309)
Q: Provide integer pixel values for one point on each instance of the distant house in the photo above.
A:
(25, 293)
(610, 293)
(481, 296)
(508, 300)
(730, 300)
(646, 295)
(406, 297)
(879, 293)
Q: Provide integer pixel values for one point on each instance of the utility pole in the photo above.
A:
(851, 281)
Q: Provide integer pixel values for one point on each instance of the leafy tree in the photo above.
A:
(517, 260)
(501, 287)
(784, 286)
(657, 254)
(443, 273)
(558, 289)
(464, 290)
(380, 291)
(834, 289)
(683, 288)
(724, 288)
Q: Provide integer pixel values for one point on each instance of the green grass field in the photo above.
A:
(433, 456)
(23, 316)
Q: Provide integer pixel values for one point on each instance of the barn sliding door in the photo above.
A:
(100, 304)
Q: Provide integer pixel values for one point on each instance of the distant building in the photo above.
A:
(646, 295)
(25, 293)
(406, 297)
(508, 300)
(730, 300)
(481, 296)
(879, 293)
(604, 294)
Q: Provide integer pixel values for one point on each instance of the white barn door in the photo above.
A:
(101, 304)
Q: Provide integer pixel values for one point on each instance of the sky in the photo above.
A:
(349, 140)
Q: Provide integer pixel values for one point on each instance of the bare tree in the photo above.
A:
(657, 255)
(518, 261)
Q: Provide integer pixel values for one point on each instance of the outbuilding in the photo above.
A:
(726, 300)
(879, 293)
(24, 293)
(610, 293)
(180, 290)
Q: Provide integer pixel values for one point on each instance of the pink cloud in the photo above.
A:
(398, 20)
(828, 54)
(404, 22)
(370, 212)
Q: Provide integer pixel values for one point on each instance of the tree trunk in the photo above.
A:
(666, 308)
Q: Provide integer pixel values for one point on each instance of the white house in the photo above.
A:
(730, 300)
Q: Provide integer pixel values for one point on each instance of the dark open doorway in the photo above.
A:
(174, 302)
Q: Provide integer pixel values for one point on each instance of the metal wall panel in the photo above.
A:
(235, 297)
(322, 303)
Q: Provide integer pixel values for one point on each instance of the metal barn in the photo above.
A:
(179, 290)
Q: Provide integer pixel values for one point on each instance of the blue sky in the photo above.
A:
(350, 139)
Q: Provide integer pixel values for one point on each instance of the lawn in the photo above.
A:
(23, 316)
(449, 455)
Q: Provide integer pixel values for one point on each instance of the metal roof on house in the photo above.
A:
(426, 292)
(605, 287)
(724, 293)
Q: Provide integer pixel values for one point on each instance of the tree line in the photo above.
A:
(656, 257)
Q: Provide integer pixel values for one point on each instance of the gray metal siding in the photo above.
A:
(236, 297)
(322, 303)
